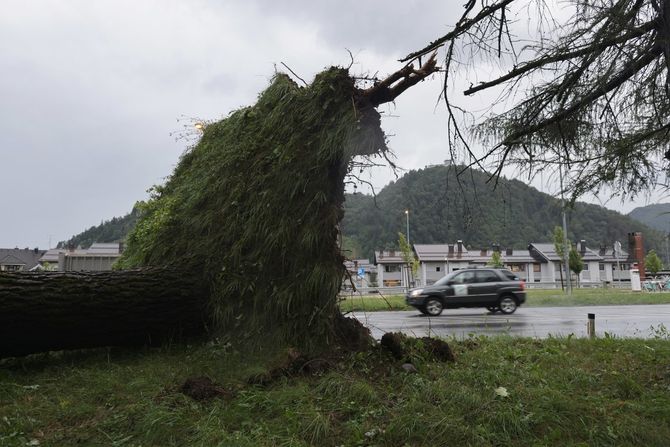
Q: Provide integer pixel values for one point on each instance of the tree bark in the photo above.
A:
(54, 311)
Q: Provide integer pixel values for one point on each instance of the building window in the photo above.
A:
(601, 267)
(391, 268)
(537, 268)
(437, 269)
(517, 267)
(586, 267)
(11, 268)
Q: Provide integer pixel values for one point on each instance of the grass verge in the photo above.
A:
(500, 391)
(534, 298)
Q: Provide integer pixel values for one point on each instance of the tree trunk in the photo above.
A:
(53, 311)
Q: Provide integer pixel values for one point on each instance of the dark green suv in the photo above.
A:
(494, 289)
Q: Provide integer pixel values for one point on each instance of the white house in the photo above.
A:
(538, 263)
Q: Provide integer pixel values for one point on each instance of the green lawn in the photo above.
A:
(535, 297)
(500, 391)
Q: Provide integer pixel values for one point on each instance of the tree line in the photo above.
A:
(445, 207)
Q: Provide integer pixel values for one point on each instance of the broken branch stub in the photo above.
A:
(396, 83)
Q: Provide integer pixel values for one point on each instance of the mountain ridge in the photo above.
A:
(656, 215)
(445, 208)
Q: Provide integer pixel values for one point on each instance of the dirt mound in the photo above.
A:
(203, 388)
(402, 347)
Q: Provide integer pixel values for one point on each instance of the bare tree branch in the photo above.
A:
(391, 87)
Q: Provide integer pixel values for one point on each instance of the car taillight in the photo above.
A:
(523, 285)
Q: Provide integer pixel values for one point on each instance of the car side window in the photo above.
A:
(510, 276)
(487, 276)
(464, 278)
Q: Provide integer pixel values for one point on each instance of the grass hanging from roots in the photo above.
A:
(254, 209)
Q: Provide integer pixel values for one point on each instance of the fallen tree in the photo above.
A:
(243, 235)
(54, 311)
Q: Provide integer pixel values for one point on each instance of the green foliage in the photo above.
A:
(496, 260)
(113, 230)
(254, 209)
(656, 216)
(559, 246)
(514, 214)
(351, 248)
(408, 254)
(559, 391)
(559, 241)
(575, 261)
(446, 208)
(652, 262)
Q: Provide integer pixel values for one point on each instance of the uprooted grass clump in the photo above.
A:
(411, 349)
(254, 209)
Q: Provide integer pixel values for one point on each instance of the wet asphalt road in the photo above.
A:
(642, 321)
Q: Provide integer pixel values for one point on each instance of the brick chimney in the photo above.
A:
(582, 247)
(460, 247)
(636, 251)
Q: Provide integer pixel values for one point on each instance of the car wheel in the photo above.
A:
(507, 304)
(423, 310)
(433, 307)
(492, 309)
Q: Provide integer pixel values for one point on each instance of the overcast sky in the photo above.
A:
(92, 92)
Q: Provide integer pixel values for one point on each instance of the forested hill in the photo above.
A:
(656, 216)
(444, 208)
(112, 230)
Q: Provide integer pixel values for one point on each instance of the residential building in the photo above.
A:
(538, 263)
(98, 257)
(391, 269)
(612, 267)
(20, 260)
(437, 260)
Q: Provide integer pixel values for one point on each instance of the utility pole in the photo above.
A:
(407, 267)
(566, 245)
(667, 249)
(617, 255)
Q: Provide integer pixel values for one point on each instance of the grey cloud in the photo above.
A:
(390, 28)
(91, 91)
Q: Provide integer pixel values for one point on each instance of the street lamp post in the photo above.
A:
(407, 218)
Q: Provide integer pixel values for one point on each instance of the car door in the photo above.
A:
(460, 288)
(485, 289)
